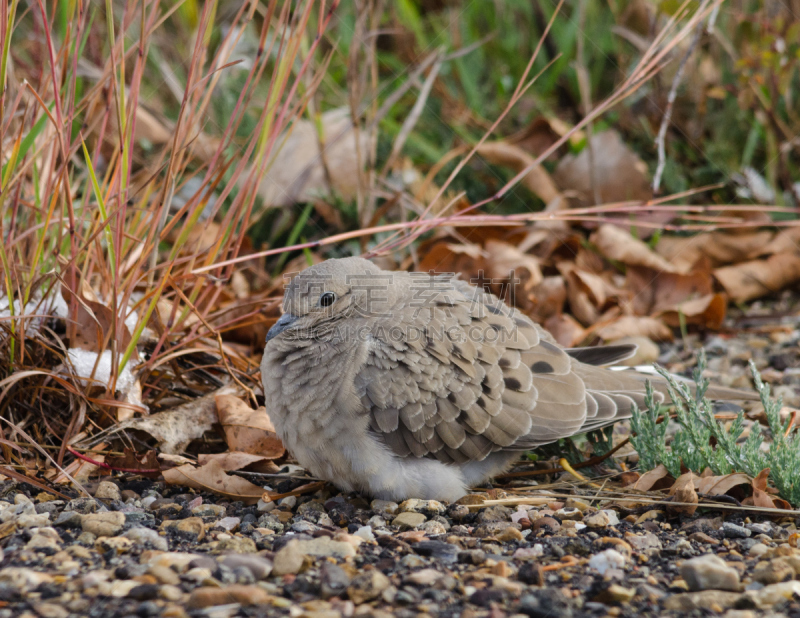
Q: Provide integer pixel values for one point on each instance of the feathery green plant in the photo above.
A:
(691, 445)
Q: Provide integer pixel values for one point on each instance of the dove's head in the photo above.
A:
(330, 291)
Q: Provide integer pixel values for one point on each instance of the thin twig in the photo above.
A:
(413, 116)
(673, 94)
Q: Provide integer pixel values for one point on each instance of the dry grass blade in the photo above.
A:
(633, 499)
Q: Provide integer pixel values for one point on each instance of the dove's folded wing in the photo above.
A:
(464, 375)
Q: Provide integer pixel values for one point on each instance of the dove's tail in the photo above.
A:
(610, 354)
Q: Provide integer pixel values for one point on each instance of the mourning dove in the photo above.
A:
(409, 385)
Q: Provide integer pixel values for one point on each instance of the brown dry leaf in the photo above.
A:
(580, 302)
(80, 470)
(683, 491)
(545, 237)
(159, 131)
(537, 180)
(760, 496)
(720, 247)
(653, 291)
(763, 495)
(548, 298)
(617, 244)
(780, 503)
(504, 258)
(211, 477)
(629, 477)
(299, 171)
(594, 285)
(619, 173)
(707, 311)
(757, 278)
(175, 428)
(492, 264)
(246, 429)
(238, 460)
(635, 326)
(649, 479)
(719, 485)
(445, 257)
(565, 330)
(785, 241)
(145, 464)
(93, 323)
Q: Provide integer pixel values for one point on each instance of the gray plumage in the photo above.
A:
(404, 385)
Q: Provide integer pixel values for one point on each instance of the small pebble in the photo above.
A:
(107, 490)
(108, 523)
(605, 560)
(409, 520)
(733, 531)
(709, 572)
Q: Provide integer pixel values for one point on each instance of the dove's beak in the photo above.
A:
(285, 321)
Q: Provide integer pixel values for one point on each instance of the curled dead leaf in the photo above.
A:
(493, 263)
(720, 247)
(706, 311)
(784, 241)
(453, 257)
(246, 429)
(308, 165)
(503, 259)
(548, 298)
(684, 495)
(617, 244)
(635, 326)
(760, 496)
(757, 278)
(212, 477)
(94, 323)
(175, 428)
(580, 302)
(720, 485)
(565, 330)
(654, 291)
(653, 479)
(237, 460)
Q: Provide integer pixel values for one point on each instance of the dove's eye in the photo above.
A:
(326, 300)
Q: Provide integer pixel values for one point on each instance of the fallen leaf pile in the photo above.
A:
(608, 284)
(252, 443)
(688, 488)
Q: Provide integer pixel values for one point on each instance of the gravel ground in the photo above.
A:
(142, 548)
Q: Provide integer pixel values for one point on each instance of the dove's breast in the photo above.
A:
(311, 398)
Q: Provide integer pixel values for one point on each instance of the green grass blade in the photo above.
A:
(112, 257)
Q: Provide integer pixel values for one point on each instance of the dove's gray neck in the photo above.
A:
(313, 365)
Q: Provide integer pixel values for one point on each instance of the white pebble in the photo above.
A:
(365, 532)
(605, 560)
(613, 518)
